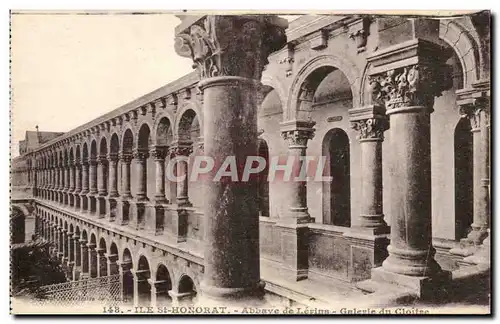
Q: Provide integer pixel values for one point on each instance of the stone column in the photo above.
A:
(113, 186)
(85, 186)
(92, 205)
(141, 158)
(71, 247)
(66, 183)
(92, 259)
(78, 183)
(102, 181)
(65, 244)
(406, 78)
(292, 225)
(84, 259)
(123, 204)
(71, 188)
(370, 122)
(155, 221)
(113, 174)
(77, 257)
(125, 274)
(112, 265)
(158, 154)
(102, 263)
(182, 149)
(61, 182)
(230, 53)
(477, 110)
(137, 211)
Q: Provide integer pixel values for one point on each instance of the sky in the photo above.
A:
(68, 69)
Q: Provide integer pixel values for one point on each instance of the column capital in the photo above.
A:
(125, 157)
(370, 122)
(140, 154)
(112, 157)
(101, 159)
(297, 132)
(474, 100)
(230, 45)
(409, 74)
(180, 149)
(158, 152)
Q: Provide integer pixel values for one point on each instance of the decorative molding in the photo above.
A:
(413, 85)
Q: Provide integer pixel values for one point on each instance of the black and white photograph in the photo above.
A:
(250, 163)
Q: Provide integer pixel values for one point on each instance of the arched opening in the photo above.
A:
(93, 177)
(187, 290)
(142, 274)
(337, 191)
(463, 178)
(263, 181)
(103, 262)
(164, 135)
(128, 278)
(144, 139)
(163, 286)
(128, 142)
(113, 256)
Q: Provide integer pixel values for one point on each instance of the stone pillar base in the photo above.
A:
(92, 204)
(367, 250)
(78, 201)
(155, 218)
(84, 207)
(252, 296)
(101, 206)
(294, 250)
(111, 208)
(426, 288)
(122, 212)
(179, 217)
(137, 215)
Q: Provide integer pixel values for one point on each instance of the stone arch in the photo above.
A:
(461, 39)
(103, 262)
(276, 84)
(163, 131)
(322, 63)
(194, 106)
(164, 285)
(103, 146)
(114, 144)
(93, 149)
(143, 274)
(186, 289)
(127, 141)
(143, 137)
(128, 279)
(188, 126)
(85, 152)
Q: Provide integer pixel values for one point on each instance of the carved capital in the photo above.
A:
(101, 159)
(112, 157)
(477, 112)
(231, 45)
(158, 152)
(180, 150)
(140, 154)
(371, 128)
(125, 157)
(413, 85)
(298, 137)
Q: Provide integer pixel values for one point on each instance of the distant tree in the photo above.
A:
(32, 267)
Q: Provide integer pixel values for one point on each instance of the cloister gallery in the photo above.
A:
(399, 107)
